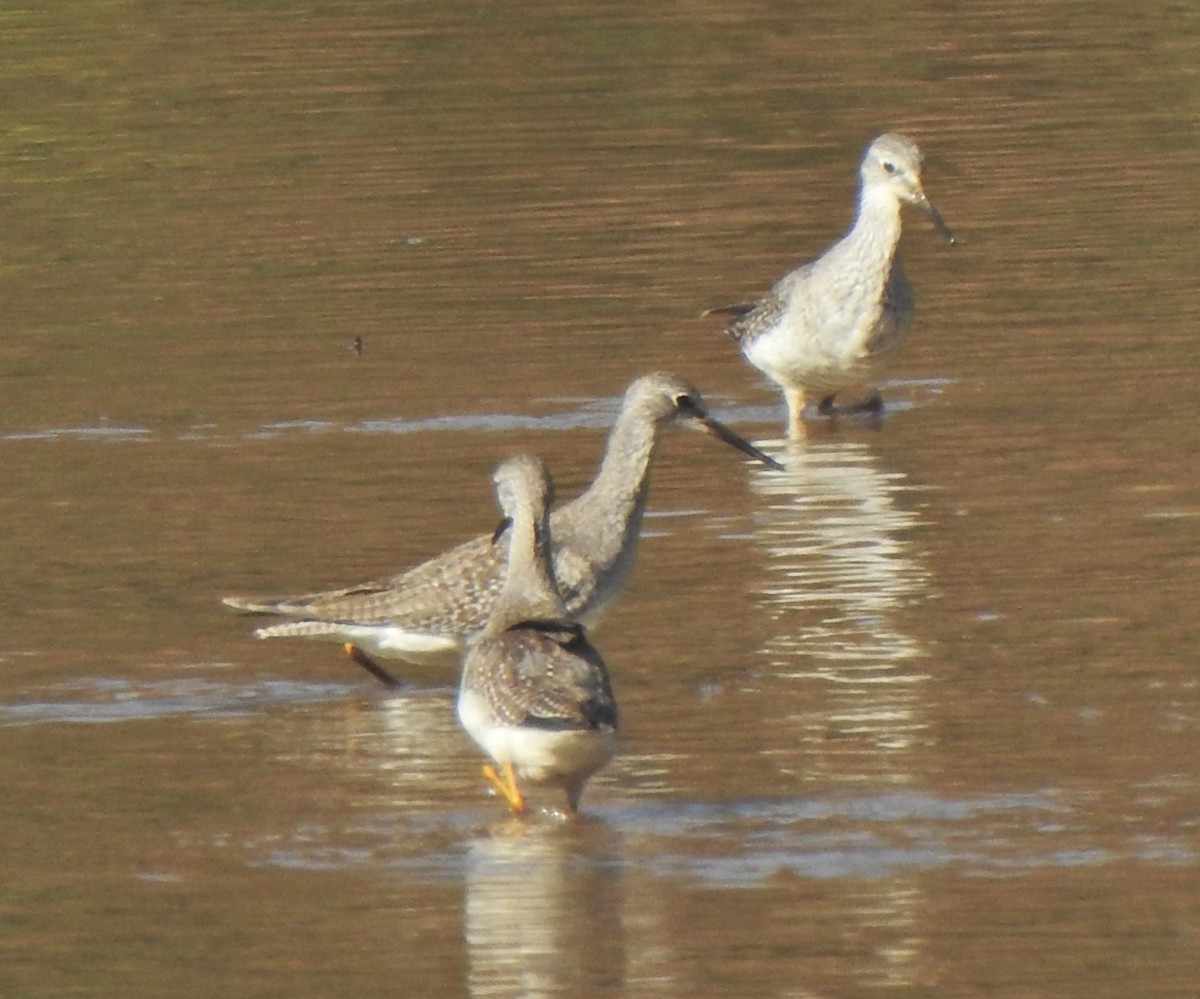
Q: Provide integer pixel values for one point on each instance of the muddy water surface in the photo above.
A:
(919, 715)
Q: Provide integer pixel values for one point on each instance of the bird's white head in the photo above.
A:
(893, 163)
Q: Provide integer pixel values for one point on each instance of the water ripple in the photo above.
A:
(98, 701)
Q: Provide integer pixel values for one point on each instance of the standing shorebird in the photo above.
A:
(433, 608)
(832, 322)
(534, 692)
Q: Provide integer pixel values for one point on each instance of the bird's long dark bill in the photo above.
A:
(501, 529)
(718, 429)
(936, 218)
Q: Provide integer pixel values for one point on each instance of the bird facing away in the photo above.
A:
(534, 693)
(833, 321)
(433, 608)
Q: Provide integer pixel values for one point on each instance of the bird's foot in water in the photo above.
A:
(872, 405)
(506, 783)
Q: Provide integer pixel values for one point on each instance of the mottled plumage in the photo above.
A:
(832, 322)
(534, 692)
(432, 609)
(547, 674)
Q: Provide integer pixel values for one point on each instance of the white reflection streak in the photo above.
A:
(543, 911)
(423, 744)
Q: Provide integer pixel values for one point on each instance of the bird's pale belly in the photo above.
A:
(538, 754)
(824, 363)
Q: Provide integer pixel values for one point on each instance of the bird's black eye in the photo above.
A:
(685, 402)
(889, 167)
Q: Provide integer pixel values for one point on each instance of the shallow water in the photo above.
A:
(917, 715)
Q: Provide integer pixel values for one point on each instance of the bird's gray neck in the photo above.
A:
(529, 590)
(876, 230)
(613, 505)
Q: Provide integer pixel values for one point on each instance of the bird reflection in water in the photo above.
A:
(840, 570)
(545, 911)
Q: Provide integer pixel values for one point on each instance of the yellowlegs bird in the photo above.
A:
(534, 692)
(833, 321)
(431, 609)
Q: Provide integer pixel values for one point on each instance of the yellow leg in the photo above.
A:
(795, 405)
(507, 786)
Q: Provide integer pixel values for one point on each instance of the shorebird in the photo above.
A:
(831, 322)
(534, 693)
(432, 609)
